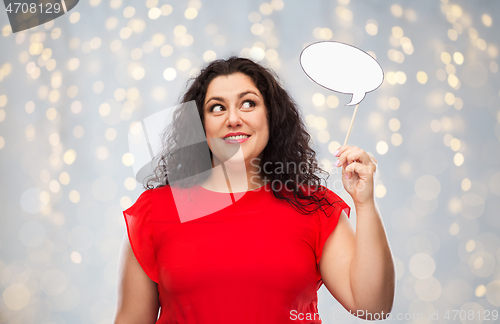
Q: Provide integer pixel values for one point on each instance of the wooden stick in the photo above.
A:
(350, 126)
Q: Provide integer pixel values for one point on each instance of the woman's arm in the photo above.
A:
(373, 277)
(357, 267)
(137, 294)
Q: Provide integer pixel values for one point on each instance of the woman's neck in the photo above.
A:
(231, 178)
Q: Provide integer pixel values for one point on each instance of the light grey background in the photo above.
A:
(437, 146)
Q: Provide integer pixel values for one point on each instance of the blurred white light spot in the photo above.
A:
(254, 17)
(422, 265)
(382, 147)
(159, 93)
(332, 101)
(493, 292)
(428, 289)
(422, 77)
(95, 43)
(76, 257)
(154, 13)
(74, 196)
(16, 296)
(125, 32)
(323, 136)
(128, 159)
(69, 157)
(209, 56)
(333, 146)
(125, 202)
(487, 21)
(190, 13)
(480, 291)
(380, 191)
(257, 53)
(138, 73)
(318, 99)
(371, 27)
(102, 153)
(427, 187)
(104, 109)
(166, 9)
(74, 17)
(130, 183)
(257, 29)
(115, 4)
(396, 10)
(166, 50)
(111, 23)
(73, 64)
(183, 64)
(277, 4)
(98, 87)
(266, 8)
(458, 58)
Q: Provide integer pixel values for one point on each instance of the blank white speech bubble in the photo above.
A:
(342, 68)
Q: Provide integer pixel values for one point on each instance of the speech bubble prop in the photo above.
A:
(145, 143)
(342, 68)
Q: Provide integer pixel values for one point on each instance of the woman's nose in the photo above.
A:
(233, 117)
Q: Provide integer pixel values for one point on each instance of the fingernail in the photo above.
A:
(346, 176)
(336, 153)
(337, 163)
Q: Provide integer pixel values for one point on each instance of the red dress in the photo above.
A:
(253, 259)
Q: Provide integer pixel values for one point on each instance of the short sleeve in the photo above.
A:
(327, 220)
(137, 220)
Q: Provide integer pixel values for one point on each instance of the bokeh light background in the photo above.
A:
(71, 89)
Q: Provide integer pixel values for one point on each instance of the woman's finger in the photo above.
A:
(350, 155)
(341, 150)
(361, 169)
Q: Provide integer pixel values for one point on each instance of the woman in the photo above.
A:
(264, 241)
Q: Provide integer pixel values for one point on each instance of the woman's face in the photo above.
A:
(233, 104)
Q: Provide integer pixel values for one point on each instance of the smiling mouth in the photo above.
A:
(235, 138)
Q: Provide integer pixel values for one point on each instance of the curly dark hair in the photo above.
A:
(289, 142)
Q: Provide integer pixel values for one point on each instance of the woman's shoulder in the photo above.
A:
(153, 191)
(159, 203)
(167, 195)
(161, 195)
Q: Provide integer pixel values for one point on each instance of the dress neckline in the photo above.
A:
(265, 186)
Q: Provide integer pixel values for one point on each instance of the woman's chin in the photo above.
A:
(230, 158)
(235, 162)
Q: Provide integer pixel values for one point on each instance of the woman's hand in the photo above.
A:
(358, 173)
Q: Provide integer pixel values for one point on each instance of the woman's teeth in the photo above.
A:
(236, 137)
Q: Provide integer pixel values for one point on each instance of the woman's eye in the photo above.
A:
(214, 108)
(219, 108)
(250, 104)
